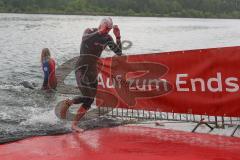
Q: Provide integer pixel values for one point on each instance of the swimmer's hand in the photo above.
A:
(116, 32)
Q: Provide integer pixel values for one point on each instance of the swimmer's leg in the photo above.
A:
(81, 112)
(68, 103)
(64, 108)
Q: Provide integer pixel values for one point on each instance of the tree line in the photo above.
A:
(166, 8)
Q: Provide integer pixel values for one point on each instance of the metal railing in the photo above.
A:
(217, 121)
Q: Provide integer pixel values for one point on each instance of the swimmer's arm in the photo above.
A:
(115, 47)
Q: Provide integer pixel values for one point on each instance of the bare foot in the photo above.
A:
(77, 129)
(65, 106)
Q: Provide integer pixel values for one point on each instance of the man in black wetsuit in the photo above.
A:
(94, 41)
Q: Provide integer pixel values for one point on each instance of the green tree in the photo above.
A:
(1, 6)
(179, 8)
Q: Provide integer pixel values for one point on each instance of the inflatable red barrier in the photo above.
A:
(203, 81)
(121, 143)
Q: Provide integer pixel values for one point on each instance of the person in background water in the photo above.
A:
(94, 41)
(48, 67)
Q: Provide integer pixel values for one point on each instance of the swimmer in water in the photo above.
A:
(48, 67)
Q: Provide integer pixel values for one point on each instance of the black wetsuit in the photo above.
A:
(93, 43)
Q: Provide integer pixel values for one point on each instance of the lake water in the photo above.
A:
(24, 112)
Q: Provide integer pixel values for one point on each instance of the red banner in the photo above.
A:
(203, 81)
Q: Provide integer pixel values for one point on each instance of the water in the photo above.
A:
(25, 112)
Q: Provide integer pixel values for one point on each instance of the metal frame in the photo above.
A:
(235, 130)
(201, 122)
(210, 121)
